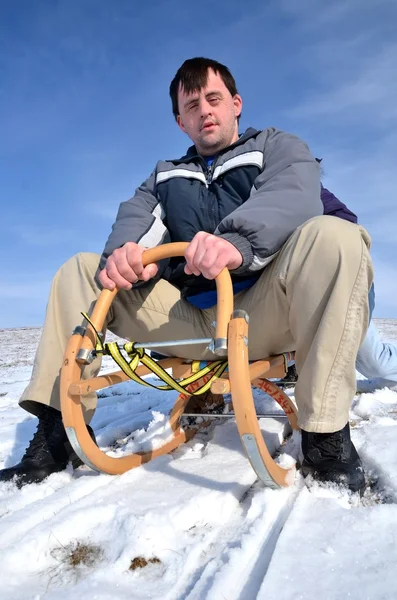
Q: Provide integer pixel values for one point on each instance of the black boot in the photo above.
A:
(332, 457)
(290, 379)
(49, 451)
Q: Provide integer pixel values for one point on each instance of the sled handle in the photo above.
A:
(223, 311)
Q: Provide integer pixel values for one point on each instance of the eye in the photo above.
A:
(213, 100)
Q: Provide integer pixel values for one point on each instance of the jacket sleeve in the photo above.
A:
(139, 219)
(284, 195)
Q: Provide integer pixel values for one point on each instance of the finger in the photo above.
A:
(207, 258)
(214, 271)
(191, 248)
(207, 254)
(133, 254)
(198, 260)
(149, 272)
(202, 241)
(215, 262)
(105, 282)
(119, 258)
(113, 274)
(189, 254)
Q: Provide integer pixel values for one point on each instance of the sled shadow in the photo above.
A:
(232, 444)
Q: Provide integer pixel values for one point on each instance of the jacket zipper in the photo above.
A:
(211, 208)
(209, 174)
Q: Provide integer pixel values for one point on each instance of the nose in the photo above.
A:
(205, 109)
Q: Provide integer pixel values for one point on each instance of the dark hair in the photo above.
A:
(192, 76)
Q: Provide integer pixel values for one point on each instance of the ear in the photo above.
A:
(238, 104)
(180, 123)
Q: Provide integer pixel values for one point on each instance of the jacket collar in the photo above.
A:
(192, 153)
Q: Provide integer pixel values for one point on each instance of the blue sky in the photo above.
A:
(85, 115)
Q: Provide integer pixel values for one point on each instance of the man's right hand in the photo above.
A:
(124, 267)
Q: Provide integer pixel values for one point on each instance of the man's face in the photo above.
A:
(209, 117)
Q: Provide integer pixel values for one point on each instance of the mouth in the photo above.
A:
(208, 126)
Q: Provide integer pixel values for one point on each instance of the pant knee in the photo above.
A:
(331, 244)
(333, 233)
(82, 263)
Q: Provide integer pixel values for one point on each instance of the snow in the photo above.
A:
(195, 524)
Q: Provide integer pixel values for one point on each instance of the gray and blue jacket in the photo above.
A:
(255, 194)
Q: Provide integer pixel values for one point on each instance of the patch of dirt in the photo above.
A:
(139, 562)
(77, 554)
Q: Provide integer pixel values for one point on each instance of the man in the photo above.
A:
(250, 203)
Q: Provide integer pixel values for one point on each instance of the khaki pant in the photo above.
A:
(312, 298)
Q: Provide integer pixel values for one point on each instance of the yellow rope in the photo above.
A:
(138, 355)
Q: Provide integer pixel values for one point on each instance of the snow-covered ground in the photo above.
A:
(194, 524)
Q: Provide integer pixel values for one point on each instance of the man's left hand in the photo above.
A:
(209, 254)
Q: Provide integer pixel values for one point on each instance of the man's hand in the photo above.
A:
(124, 267)
(208, 254)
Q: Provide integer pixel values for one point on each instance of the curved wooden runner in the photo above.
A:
(244, 408)
(280, 397)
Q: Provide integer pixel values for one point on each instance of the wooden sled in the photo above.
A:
(230, 343)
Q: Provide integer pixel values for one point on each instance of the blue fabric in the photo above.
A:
(209, 160)
(371, 301)
(208, 299)
(376, 358)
